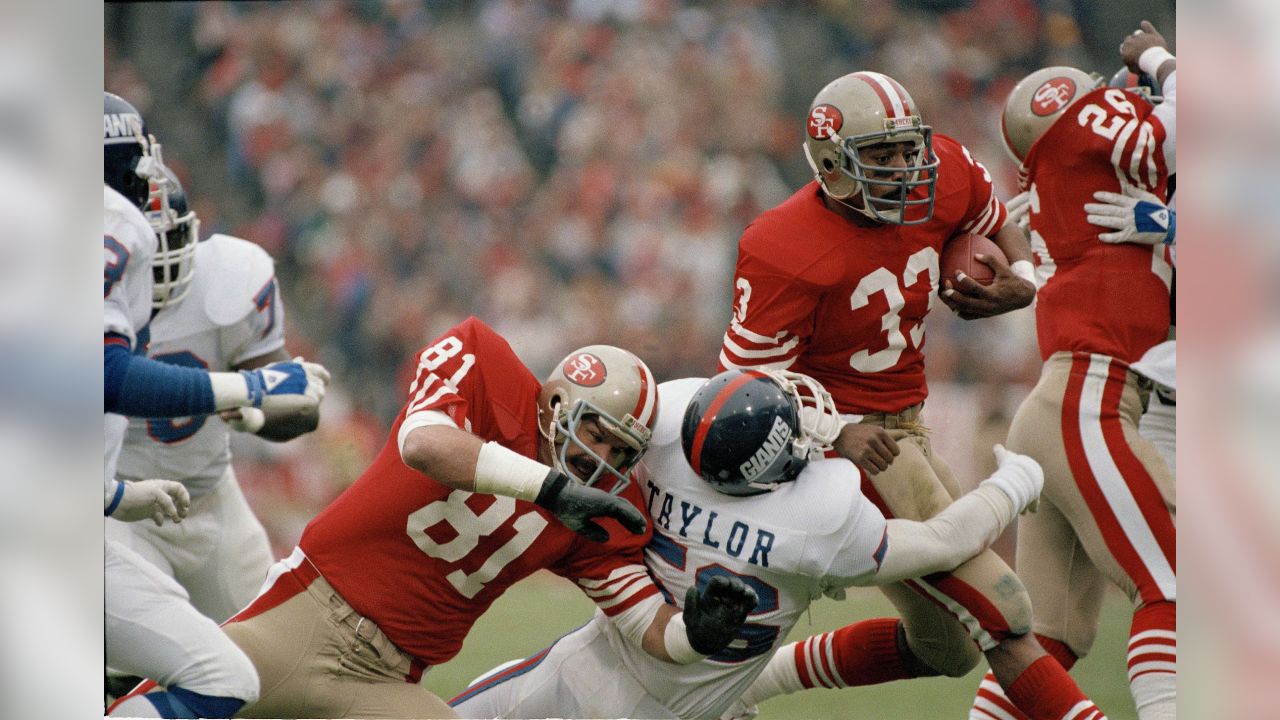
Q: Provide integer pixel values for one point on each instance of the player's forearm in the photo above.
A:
(445, 453)
(961, 531)
(1013, 241)
(282, 427)
(654, 638)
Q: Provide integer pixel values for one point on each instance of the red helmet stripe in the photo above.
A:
(695, 455)
(648, 396)
(892, 96)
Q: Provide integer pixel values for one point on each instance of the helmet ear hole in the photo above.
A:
(828, 165)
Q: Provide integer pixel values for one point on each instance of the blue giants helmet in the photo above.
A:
(748, 431)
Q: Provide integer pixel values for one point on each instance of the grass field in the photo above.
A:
(537, 611)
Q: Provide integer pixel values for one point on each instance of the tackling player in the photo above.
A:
(835, 283)
(732, 492)
(150, 629)
(487, 476)
(217, 307)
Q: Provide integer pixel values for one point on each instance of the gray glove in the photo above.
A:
(575, 504)
(713, 617)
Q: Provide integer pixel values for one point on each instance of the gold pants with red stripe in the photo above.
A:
(948, 617)
(318, 658)
(1108, 508)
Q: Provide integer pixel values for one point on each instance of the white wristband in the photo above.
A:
(1025, 270)
(676, 640)
(1152, 58)
(500, 471)
(229, 390)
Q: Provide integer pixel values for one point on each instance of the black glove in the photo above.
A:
(712, 619)
(576, 504)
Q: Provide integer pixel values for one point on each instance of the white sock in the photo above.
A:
(779, 677)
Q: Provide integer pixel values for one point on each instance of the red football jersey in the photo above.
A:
(1096, 297)
(424, 560)
(846, 304)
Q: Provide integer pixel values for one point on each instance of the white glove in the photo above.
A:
(155, 499)
(245, 419)
(1020, 478)
(283, 387)
(1019, 207)
(1137, 216)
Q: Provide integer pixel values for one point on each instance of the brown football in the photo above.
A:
(957, 256)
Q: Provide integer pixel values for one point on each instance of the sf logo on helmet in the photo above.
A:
(824, 120)
(1052, 96)
(584, 369)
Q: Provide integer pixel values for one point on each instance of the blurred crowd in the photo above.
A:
(570, 172)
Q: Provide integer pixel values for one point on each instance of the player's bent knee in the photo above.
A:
(951, 653)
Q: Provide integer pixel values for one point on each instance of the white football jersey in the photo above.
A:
(791, 545)
(128, 245)
(232, 314)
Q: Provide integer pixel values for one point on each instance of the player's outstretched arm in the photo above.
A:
(461, 460)
(278, 425)
(137, 386)
(966, 527)
(1147, 41)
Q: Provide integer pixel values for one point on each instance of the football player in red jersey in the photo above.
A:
(471, 493)
(835, 283)
(1108, 510)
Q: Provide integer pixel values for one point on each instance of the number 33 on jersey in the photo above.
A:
(845, 303)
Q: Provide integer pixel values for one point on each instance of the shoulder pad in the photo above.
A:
(235, 271)
(673, 399)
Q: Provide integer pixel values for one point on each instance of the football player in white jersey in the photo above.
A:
(150, 629)
(756, 508)
(218, 308)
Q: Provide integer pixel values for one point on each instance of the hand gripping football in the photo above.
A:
(957, 256)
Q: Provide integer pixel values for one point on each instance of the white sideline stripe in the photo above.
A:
(1112, 483)
(1162, 634)
(742, 352)
(966, 618)
(990, 709)
(730, 365)
(1154, 665)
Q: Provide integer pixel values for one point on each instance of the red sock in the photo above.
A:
(1058, 650)
(1044, 691)
(862, 654)
(991, 700)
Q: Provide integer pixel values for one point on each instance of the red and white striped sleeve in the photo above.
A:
(624, 588)
(772, 316)
(986, 213)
